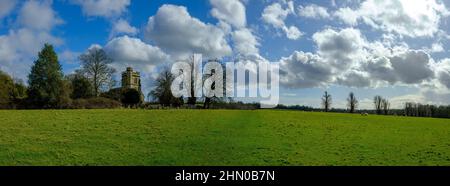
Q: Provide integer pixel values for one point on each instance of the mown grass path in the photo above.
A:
(219, 137)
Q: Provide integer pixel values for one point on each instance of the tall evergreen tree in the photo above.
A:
(46, 79)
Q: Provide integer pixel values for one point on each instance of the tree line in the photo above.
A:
(92, 86)
(49, 88)
(381, 105)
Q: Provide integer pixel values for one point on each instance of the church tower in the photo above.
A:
(131, 80)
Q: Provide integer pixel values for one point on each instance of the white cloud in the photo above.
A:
(313, 11)
(347, 15)
(340, 48)
(103, 8)
(404, 17)
(38, 15)
(245, 42)
(346, 58)
(304, 70)
(443, 72)
(437, 47)
(412, 67)
(127, 51)
(176, 32)
(68, 57)
(6, 6)
(354, 78)
(20, 46)
(275, 16)
(122, 26)
(229, 11)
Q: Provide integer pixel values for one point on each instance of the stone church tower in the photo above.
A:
(131, 80)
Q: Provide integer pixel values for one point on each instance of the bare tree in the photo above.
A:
(191, 100)
(162, 92)
(326, 101)
(352, 102)
(385, 105)
(377, 101)
(95, 65)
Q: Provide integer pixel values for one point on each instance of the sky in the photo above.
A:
(398, 49)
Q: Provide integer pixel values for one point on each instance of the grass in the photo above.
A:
(219, 137)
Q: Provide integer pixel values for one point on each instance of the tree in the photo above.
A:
(162, 92)
(12, 91)
(6, 87)
(377, 102)
(192, 100)
(385, 105)
(95, 64)
(352, 102)
(46, 80)
(20, 90)
(131, 97)
(82, 88)
(326, 101)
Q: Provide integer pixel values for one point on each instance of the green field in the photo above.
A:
(219, 137)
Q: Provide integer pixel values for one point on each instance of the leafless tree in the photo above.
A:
(377, 101)
(162, 92)
(385, 106)
(326, 101)
(95, 65)
(352, 102)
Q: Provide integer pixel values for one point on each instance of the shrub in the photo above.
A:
(95, 103)
(131, 97)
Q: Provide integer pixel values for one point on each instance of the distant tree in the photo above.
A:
(162, 92)
(81, 87)
(20, 90)
(46, 80)
(6, 87)
(385, 105)
(95, 64)
(192, 100)
(131, 97)
(352, 102)
(64, 100)
(377, 102)
(12, 91)
(326, 101)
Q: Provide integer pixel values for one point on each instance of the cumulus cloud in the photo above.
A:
(340, 48)
(313, 11)
(347, 15)
(103, 8)
(176, 32)
(442, 69)
(304, 70)
(122, 26)
(245, 42)
(421, 18)
(19, 46)
(412, 66)
(127, 51)
(275, 15)
(435, 48)
(229, 11)
(38, 15)
(346, 58)
(354, 78)
(6, 7)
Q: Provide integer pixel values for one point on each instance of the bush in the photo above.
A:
(95, 103)
(131, 97)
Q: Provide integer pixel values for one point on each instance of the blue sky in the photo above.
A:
(395, 48)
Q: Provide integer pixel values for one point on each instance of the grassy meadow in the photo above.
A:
(219, 137)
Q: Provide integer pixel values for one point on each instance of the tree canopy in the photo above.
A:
(46, 79)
